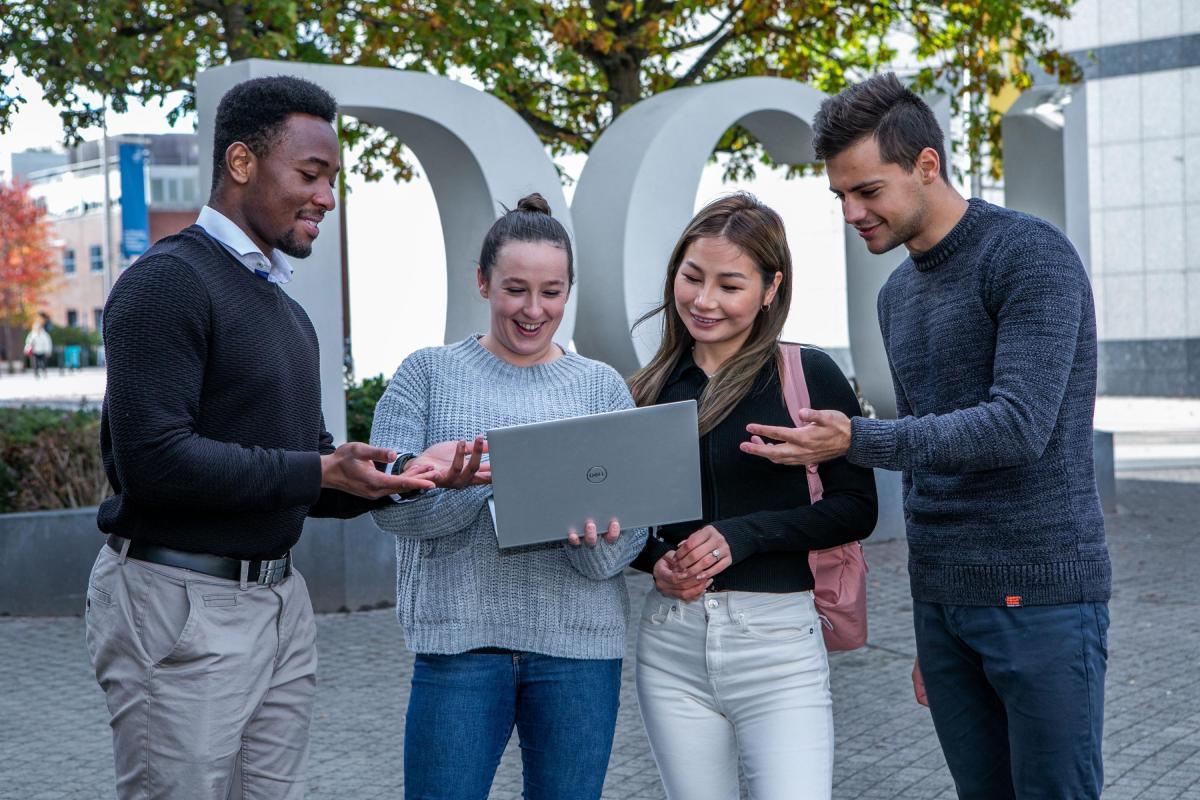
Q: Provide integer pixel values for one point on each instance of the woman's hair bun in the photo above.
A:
(535, 203)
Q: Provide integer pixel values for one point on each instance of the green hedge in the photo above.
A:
(360, 407)
(50, 459)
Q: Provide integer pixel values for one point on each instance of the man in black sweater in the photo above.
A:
(200, 631)
(990, 332)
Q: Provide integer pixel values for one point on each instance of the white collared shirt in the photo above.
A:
(276, 269)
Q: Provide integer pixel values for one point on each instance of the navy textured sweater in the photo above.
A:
(211, 430)
(991, 337)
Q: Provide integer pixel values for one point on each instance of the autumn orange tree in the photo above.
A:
(27, 260)
(568, 67)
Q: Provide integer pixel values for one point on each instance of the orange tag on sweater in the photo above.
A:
(1013, 601)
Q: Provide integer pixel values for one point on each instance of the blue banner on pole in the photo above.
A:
(135, 216)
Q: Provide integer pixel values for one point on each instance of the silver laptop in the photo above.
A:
(640, 465)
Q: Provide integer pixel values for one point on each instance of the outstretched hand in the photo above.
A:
(351, 468)
(825, 435)
(453, 465)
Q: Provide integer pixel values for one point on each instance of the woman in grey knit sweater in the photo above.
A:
(530, 637)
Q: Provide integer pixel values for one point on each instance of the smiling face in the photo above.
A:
(527, 292)
(885, 204)
(719, 291)
(290, 189)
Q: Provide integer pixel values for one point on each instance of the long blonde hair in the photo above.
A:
(757, 231)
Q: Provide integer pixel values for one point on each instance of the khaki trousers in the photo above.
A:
(209, 686)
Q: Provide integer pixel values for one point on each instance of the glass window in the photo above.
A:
(98, 316)
(69, 261)
(72, 318)
(96, 258)
(156, 190)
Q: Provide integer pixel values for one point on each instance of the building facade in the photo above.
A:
(73, 194)
(1141, 63)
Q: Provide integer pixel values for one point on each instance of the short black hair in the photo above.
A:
(902, 123)
(254, 113)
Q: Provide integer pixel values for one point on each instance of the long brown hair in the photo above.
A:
(757, 231)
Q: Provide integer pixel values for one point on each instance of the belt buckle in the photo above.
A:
(273, 571)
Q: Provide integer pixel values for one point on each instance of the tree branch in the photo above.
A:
(548, 130)
(713, 50)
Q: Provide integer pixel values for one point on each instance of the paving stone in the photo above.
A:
(56, 744)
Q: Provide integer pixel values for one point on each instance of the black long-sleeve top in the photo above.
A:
(212, 430)
(763, 509)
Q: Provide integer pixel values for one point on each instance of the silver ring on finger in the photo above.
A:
(716, 554)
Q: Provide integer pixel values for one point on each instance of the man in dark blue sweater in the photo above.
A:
(200, 632)
(990, 332)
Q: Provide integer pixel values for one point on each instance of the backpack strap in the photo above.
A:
(795, 396)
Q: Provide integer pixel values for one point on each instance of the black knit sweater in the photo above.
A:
(211, 430)
(763, 509)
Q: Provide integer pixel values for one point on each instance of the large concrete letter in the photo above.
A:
(476, 152)
(638, 190)
(1046, 167)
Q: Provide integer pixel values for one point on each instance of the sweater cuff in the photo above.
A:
(872, 442)
(302, 479)
(740, 538)
(654, 549)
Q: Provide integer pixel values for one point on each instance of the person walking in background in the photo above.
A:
(530, 637)
(990, 332)
(38, 347)
(732, 665)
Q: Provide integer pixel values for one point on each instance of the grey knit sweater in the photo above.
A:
(991, 337)
(455, 588)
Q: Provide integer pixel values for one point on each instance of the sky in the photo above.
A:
(397, 270)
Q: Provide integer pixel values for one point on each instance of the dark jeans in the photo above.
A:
(1017, 696)
(463, 708)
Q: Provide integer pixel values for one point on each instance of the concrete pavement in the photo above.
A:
(55, 743)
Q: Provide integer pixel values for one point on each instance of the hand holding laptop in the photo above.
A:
(589, 533)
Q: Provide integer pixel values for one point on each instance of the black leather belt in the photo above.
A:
(260, 572)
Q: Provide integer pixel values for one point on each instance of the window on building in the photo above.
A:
(69, 261)
(98, 316)
(96, 257)
(156, 191)
(72, 318)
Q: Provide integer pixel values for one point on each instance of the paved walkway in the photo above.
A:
(55, 742)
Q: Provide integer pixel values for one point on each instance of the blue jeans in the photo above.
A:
(1017, 696)
(462, 710)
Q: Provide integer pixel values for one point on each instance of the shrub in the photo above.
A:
(50, 459)
(360, 407)
(63, 335)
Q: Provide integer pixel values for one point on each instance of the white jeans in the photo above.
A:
(737, 674)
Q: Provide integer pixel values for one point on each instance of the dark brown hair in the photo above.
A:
(902, 123)
(530, 221)
(757, 231)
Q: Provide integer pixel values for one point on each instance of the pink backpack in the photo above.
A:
(840, 572)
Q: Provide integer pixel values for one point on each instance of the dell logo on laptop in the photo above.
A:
(597, 474)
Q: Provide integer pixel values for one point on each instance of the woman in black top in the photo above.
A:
(731, 661)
